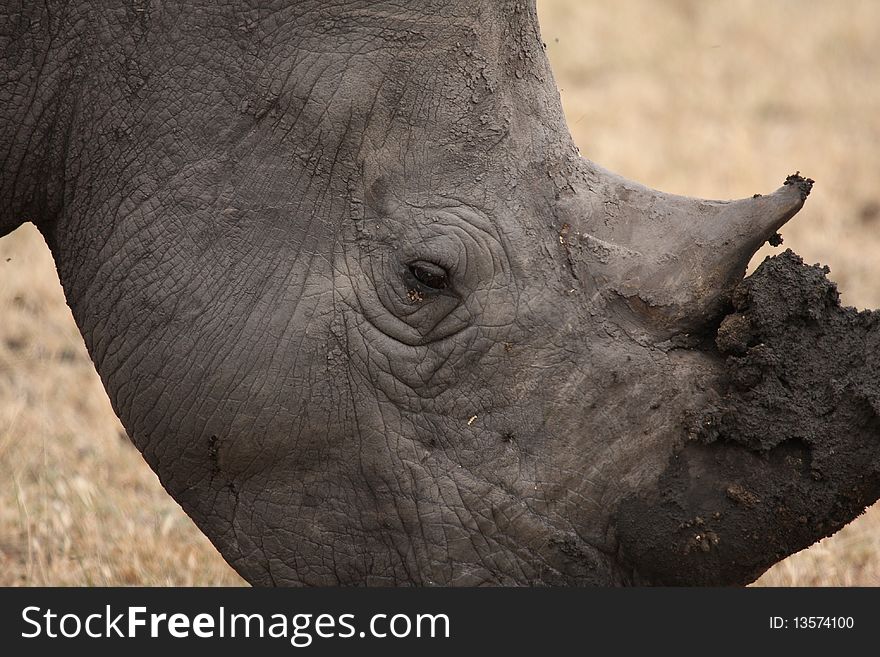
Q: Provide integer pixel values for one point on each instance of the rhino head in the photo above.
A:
(372, 319)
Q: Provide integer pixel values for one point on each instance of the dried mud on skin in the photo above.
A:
(788, 455)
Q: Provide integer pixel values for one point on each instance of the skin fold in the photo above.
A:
(367, 312)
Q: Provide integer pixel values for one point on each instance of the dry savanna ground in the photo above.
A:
(713, 99)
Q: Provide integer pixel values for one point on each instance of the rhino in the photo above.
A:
(373, 320)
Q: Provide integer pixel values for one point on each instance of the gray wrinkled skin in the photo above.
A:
(236, 198)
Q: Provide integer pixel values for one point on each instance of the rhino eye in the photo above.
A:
(433, 277)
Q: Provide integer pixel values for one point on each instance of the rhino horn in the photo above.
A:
(675, 260)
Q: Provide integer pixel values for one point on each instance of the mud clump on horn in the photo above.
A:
(789, 454)
(803, 185)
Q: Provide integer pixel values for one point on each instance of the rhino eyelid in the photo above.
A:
(429, 276)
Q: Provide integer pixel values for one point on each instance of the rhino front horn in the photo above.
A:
(675, 259)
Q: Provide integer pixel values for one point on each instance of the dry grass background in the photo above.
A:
(714, 99)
